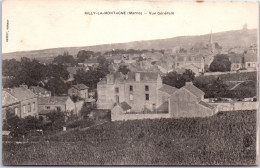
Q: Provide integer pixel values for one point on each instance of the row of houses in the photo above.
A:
(37, 101)
(143, 92)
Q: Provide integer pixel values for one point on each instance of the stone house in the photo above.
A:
(192, 67)
(138, 89)
(237, 62)
(20, 101)
(184, 62)
(89, 63)
(40, 92)
(79, 90)
(251, 62)
(188, 101)
(56, 103)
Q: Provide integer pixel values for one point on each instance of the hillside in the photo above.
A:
(228, 138)
(227, 39)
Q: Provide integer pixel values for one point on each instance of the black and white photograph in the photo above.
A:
(130, 83)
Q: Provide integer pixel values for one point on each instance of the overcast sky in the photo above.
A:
(45, 24)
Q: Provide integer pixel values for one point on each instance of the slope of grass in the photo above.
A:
(225, 139)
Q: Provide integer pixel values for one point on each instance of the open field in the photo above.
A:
(228, 138)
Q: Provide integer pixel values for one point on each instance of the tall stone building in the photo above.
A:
(139, 90)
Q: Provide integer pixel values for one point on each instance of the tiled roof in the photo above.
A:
(206, 105)
(144, 76)
(80, 86)
(193, 89)
(163, 107)
(73, 70)
(91, 61)
(38, 89)
(250, 57)
(168, 89)
(236, 58)
(125, 106)
(8, 99)
(55, 100)
(21, 93)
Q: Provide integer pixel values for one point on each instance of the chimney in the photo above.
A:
(137, 76)
(110, 79)
(24, 86)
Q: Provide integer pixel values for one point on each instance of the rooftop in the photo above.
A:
(55, 100)
(125, 106)
(8, 99)
(193, 89)
(80, 86)
(130, 77)
(168, 89)
(38, 89)
(206, 105)
(21, 93)
(73, 70)
(250, 57)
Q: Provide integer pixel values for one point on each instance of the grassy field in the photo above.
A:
(225, 139)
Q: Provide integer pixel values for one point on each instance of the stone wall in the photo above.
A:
(234, 106)
(120, 117)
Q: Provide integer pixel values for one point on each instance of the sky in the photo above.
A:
(42, 24)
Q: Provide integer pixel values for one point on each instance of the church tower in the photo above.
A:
(211, 45)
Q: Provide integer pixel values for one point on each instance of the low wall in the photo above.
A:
(229, 72)
(120, 117)
(234, 106)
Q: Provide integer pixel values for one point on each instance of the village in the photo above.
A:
(43, 99)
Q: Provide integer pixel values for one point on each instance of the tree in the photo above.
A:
(92, 76)
(65, 59)
(102, 60)
(178, 80)
(124, 69)
(57, 71)
(14, 124)
(57, 119)
(56, 86)
(170, 78)
(220, 63)
(86, 109)
(23, 72)
(83, 55)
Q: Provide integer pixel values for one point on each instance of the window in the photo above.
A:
(131, 88)
(146, 96)
(58, 108)
(29, 108)
(131, 97)
(117, 99)
(33, 105)
(16, 111)
(248, 64)
(24, 109)
(48, 107)
(117, 90)
(146, 88)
